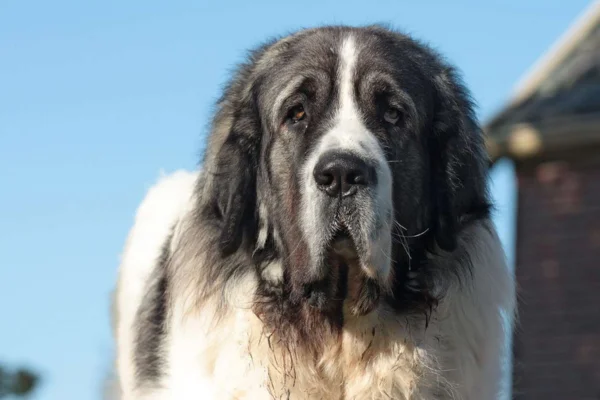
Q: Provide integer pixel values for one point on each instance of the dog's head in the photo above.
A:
(342, 151)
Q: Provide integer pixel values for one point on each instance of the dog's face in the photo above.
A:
(344, 150)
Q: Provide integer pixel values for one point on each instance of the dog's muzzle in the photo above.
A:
(346, 219)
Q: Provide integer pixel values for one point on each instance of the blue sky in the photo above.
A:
(97, 97)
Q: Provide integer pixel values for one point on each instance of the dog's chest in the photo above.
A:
(237, 358)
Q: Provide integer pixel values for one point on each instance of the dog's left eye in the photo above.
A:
(297, 114)
(392, 115)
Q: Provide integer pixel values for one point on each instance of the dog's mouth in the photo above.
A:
(360, 292)
(350, 247)
(342, 247)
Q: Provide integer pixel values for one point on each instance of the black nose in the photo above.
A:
(342, 173)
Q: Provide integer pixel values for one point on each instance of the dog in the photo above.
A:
(336, 242)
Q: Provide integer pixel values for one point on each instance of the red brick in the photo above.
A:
(557, 342)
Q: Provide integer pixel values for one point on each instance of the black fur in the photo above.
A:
(150, 321)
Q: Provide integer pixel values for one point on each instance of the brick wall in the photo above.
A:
(557, 344)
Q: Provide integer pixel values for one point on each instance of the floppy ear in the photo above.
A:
(459, 162)
(229, 194)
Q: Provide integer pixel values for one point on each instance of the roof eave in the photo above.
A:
(540, 71)
(578, 30)
(526, 141)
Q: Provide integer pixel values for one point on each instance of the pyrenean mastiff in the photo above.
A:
(336, 244)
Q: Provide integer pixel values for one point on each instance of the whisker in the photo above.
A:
(418, 234)
(400, 225)
(404, 242)
(386, 255)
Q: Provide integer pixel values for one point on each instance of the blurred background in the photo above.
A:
(97, 98)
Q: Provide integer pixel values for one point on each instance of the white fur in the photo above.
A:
(164, 204)
(231, 358)
(349, 133)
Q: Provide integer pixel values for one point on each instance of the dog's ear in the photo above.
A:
(231, 163)
(459, 161)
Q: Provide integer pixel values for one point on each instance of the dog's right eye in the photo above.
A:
(392, 115)
(297, 114)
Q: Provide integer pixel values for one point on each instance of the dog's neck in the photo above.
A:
(308, 353)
